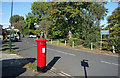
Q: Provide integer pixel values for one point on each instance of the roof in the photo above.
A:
(1, 25)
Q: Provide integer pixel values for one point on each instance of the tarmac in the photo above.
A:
(12, 65)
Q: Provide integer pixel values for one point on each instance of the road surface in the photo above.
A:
(73, 62)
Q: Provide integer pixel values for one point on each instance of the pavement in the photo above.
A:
(12, 65)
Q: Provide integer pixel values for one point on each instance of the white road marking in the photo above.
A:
(109, 63)
(61, 73)
(115, 64)
(12, 54)
(62, 52)
(65, 73)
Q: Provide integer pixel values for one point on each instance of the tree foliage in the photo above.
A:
(114, 27)
(114, 23)
(16, 18)
(67, 19)
(17, 22)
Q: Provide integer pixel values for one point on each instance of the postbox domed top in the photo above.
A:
(40, 40)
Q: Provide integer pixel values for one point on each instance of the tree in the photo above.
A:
(30, 21)
(40, 11)
(91, 23)
(114, 23)
(17, 22)
(70, 19)
(16, 18)
(44, 27)
(19, 26)
(114, 27)
(71, 15)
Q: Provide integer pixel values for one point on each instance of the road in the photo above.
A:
(71, 61)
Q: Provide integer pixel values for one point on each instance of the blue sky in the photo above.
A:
(111, 7)
(19, 8)
(22, 8)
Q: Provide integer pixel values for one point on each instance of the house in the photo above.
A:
(1, 36)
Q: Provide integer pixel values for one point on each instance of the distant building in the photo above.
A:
(14, 30)
(1, 36)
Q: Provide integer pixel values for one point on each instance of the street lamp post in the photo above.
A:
(11, 23)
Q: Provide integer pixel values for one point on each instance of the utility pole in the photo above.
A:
(11, 24)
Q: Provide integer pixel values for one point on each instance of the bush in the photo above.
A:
(86, 43)
(48, 40)
(106, 46)
(63, 40)
(116, 42)
(76, 41)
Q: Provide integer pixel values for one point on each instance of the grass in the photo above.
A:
(7, 50)
(31, 66)
(12, 51)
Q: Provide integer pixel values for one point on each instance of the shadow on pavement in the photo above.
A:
(52, 62)
(14, 48)
(14, 67)
(85, 64)
(8, 45)
(19, 40)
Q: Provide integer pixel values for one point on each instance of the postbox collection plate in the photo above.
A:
(43, 50)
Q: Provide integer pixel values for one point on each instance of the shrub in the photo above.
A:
(106, 46)
(48, 39)
(116, 42)
(76, 41)
(63, 40)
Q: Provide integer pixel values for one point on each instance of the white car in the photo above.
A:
(32, 36)
(18, 37)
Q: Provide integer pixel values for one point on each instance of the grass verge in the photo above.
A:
(82, 48)
(31, 66)
(7, 50)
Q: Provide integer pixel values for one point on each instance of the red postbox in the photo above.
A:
(41, 55)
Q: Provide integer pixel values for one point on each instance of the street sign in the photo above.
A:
(105, 32)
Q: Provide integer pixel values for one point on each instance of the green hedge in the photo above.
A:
(76, 41)
(112, 42)
(116, 42)
(107, 46)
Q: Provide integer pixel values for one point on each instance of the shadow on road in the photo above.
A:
(19, 50)
(14, 67)
(52, 62)
(85, 64)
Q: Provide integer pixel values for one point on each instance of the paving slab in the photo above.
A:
(13, 65)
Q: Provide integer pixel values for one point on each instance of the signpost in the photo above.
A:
(11, 24)
(103, 32)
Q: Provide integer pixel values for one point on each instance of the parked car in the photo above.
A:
(32, 36)
(21, 35)
(18, 37)
(14, 38)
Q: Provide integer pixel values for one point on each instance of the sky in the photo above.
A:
(23, 8)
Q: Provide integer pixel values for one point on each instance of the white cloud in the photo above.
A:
(5, 24)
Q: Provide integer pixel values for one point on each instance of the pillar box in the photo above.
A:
(41, 55)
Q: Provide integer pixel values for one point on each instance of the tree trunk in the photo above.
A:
(45, 35)
(70, 34)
